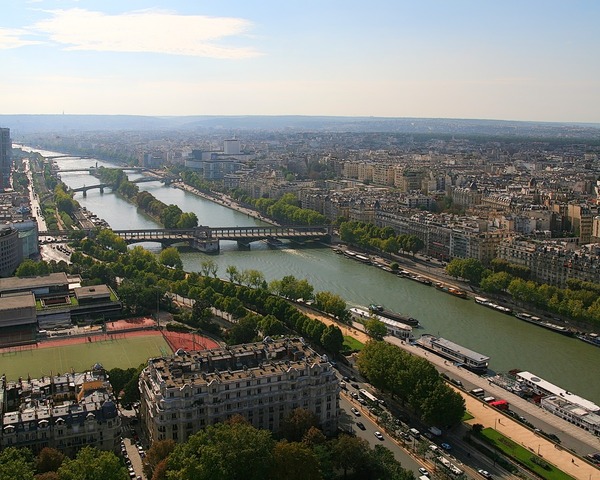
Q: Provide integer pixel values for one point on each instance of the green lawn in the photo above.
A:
(124, 353)
(351, 343)
(467, 416)
(524, 456)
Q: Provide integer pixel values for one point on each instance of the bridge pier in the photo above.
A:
(243, 245)
(85, 193)
(206, 246)
(101, 189)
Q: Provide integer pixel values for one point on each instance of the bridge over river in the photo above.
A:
(206, 239)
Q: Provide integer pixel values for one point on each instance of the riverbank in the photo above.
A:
(225, 201)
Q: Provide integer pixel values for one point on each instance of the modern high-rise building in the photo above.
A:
(5, 157)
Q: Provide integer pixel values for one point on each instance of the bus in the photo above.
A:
(362, 393)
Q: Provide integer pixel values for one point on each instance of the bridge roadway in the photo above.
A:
(93, 169)
(206, 239)
(102, 186)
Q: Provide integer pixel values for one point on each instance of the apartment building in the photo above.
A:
(64, 411)
(553, 263)
(264, 382)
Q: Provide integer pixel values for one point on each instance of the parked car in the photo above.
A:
(355, 411)
(484, 473)
(446, 446)
(378, 435)
(423, 471)
(360, 425)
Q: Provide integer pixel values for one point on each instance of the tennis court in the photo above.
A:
(121, 351)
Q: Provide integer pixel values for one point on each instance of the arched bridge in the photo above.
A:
(207, 239)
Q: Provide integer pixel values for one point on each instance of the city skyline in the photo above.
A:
(430, 59)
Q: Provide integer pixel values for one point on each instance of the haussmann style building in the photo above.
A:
(264, 382)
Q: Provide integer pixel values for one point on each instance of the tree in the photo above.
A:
(187, 220)
(243, 332)
(349, 453)
(375, 328)
(442, 406)
(170, 216)
(170, 257)
(225, 451)
(157, 453)
(49, 460)
(16, 463)
(93, 464)
(296, 425)
(209, 267)
(233, 273)
(332, 339)
(294, 461)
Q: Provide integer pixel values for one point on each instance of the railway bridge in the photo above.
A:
(206, 239)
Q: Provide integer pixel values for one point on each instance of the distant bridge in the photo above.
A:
(93, 169)
(102, 186)
(207, 239)
(53, 157)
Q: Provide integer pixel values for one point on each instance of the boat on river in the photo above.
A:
(469, 359)
(591, 338)
(394, 328)
(494, 306)
(398, 317)
(357, 256)
(457, 292)
(526, 317)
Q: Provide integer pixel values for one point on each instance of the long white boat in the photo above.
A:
(394, 328)
(488, 303)
(471, 360)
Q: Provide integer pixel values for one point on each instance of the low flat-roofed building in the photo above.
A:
(39, 285)
(264, 382)
(18, 319)
(17, 310)
(92, 293)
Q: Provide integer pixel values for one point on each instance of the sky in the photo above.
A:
(535, 60)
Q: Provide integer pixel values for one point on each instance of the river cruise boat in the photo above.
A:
(469, 359)
(398, 317)
(396, 329)
(526, 317)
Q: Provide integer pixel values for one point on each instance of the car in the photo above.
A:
(346, 379)
(423, 471)
(355, 385)
(361, 425)
(433, 448)
(484, 473)
(446, 446)
(355, 411)
(379, 435)
(456, 382)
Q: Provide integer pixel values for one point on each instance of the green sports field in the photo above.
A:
(123, 353)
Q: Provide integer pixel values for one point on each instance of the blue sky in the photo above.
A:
(513, 60)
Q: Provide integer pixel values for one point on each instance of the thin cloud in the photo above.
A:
(150, 31)
(13, 38)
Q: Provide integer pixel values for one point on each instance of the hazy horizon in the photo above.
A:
(529, 61)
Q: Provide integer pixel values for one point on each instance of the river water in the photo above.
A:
(509, 342)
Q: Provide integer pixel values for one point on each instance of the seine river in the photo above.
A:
(509, 342)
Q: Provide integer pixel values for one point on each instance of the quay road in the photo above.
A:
(572, 437)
